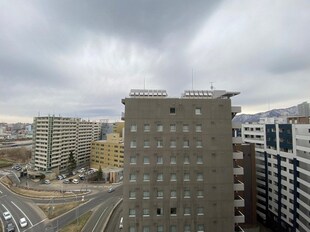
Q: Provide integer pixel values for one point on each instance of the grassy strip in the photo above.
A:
(73, 227)
(52, 211)
(5, 163)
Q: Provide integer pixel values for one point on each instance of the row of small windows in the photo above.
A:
(160, 160)
(173, 211)
(160, 177)
(160, 128)
(159, 194)
(160, 144)
(172, 228)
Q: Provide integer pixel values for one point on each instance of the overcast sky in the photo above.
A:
(80, 58)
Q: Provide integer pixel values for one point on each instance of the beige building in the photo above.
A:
(54, 138)
(178, 168)
(108, 153)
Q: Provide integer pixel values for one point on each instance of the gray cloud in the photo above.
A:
(80, 58)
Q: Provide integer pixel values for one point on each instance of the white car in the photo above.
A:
(75, 181)
(7, 215)
(23, 222)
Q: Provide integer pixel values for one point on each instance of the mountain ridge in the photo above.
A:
(243, 118)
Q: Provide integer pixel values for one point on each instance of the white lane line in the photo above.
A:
(22, 212)
(12, 217)
(99, 219)
(1, 192)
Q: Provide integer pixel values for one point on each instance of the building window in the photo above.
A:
(146, 177)
(187, 193)
(173, 128)
(160, 177)
(199, 194)
(198, 128)
(185, 128)
(146, 127)
(186, 177)
(146, 143)
(200, 228)
(132, 229)
(187, 211)
(173, 160)
(133, 128)
(146, 229)
(173, 177)
(132, 177)
(146, 212)
(186, 144)
(186, 160)
(146, 160)
(173, 228)
(172, 110)
(199, 159)
(160, 194)
(160, 128)
(160, 143)
(187, 228)
(199, 144)
(132, 212)
(173, 143)
(133, 144)
(160, 228)
(160, 211)
(198, 111)
(200, 211)
(173, 211)
(132, 195)
(173, 194)
(133, 159)
(160, 160)
(146, 195)
(199, 177)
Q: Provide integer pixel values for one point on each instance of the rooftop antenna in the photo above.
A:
(212, 87)
(192, 79)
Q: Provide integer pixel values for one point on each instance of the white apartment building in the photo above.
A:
(54, 138)
(283, 173)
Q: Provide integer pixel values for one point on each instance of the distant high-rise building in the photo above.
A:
(283, 173)
(304, 109)
(54, 138)
(179, 163)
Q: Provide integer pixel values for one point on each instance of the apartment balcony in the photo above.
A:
(238, 170)
(239, 217)
(237, 155)
(238, 202)
(238, 185)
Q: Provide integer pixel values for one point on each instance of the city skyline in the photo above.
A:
(79, 59)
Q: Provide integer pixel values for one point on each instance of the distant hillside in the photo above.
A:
(243, 118)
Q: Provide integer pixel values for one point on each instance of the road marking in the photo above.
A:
(99, 219)
(12, 217)
(1, 192)
(22, 212)
(36, 224)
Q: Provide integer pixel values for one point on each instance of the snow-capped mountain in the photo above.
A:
(243, 118)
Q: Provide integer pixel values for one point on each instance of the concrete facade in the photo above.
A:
(178, 168)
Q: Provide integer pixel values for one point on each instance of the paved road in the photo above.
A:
(99, 199)
(113, 224)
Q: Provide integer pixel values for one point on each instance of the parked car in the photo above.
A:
(111, 190)
(10, 227)
(66, 181)
(75, 181)
(59, 177)
(47, 181)
(121, 223)
(7, 215)
(23, 222)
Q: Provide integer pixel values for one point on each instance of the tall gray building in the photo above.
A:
(54, 138)
(178, 163)
(304, 109)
